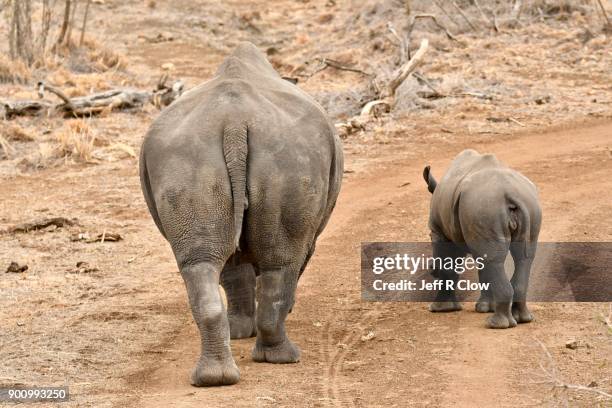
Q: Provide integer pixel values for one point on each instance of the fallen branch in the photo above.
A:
(516, 121)
(9, 109)
(435, 20)
(473, 95)
(328, 62)
(103, 237)
(41, 92)
(429, 85)
(552, 377)
(58, 222)
(371, 107)
(406, 69)
(386, 97)
(116, 99)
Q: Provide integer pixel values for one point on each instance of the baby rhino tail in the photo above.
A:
(525, 217)
(429, 179)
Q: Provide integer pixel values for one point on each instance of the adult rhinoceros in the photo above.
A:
(241, 175)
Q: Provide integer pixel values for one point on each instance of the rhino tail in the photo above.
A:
(235, 149)
(429, 179)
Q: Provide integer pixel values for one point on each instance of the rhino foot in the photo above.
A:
(211, 372)
(438, 307)
(282, 353)
(484, 307)
(500, 321)
(241, 326)
(521, 314)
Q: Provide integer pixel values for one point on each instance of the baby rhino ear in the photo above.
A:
(429, 179)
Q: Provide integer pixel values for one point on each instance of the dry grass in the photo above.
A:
(115, 151)
(79, 85)
(560, 9)
(91, 57)
(5, 148)
(15, 133)
(9, 133)
(13, 71)
(76, 140)
(104, 58)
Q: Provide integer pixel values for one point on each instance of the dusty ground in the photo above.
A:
(123, 335)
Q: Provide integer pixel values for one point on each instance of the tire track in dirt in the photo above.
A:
(335, 354)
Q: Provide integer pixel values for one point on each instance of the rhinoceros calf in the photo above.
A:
(484, 208)
(241, 175)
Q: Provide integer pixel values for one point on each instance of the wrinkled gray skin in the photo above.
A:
(482, 207)
(241, 175)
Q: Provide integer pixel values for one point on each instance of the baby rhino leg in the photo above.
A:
(446, 300)
(520, 283)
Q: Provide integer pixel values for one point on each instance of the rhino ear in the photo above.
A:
(429, 179)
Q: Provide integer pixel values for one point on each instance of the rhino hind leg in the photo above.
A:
(276, 294)
(446, 299)
(485, 301)
(238, 282)
(501, 294)
(520, 283)
(216, 365)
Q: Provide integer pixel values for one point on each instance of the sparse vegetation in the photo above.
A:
(76, 140)
(13, 71)
(30, 25)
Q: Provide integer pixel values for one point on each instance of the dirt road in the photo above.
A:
(415, 358)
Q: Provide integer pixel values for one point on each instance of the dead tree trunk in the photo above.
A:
(85, 15)
(66, 21)
(68, 38)
(45, 25)
(20, 34)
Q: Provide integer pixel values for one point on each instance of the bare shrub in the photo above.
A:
(29, 45)
(559, 8)
(103, 58)
(76, 140)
